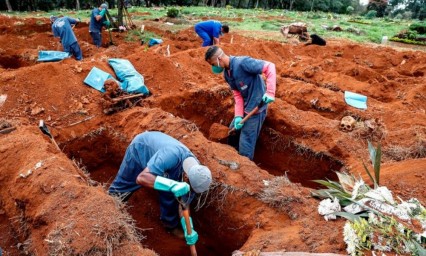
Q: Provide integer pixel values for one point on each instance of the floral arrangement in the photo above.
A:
(375, 221)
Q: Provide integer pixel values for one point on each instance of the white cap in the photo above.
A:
(199, 175)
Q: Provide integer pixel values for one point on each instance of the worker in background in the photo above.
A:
(97, 21)
(210, 31)
(156, 160)
(244, 76)
(62, 28)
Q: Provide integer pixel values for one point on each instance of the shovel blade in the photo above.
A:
(44, 128)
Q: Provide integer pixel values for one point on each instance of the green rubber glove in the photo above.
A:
(177, 188)
(107, 23)
(237, 121)
(193, 237)
(267, 99)
(102, 13)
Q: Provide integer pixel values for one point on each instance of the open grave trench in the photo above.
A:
(101, 149)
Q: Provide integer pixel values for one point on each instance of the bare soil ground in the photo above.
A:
(53, 202)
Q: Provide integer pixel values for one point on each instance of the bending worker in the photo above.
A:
(156, 160)
(244, 76)
(210, 31)
(61, 27)
(97, 21)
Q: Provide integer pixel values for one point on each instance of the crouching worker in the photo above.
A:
(156, 160)
(61, 27)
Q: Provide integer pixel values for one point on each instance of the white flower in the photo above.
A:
(327, 207)
(350, 238)
(359, 184)
(381, 194)
(372, 218)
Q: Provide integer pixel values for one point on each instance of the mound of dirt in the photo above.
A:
(55, 202)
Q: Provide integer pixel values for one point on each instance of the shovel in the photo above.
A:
(232, 130)
(218, 132)
(45, 130)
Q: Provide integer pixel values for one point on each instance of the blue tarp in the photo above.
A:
(356, 100)
(154, 41)
(96, 78)
(52, 56)
(131, 80)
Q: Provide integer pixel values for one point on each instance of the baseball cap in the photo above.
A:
(53, 18)
(199, 175)
(104, 6)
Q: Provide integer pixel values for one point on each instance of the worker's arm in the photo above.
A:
(100, 15)
(147, 179)
(271, 81)
(238, 109)
(215, 41)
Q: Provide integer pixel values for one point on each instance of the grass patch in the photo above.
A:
(259, 20)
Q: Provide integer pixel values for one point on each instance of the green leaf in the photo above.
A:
(377, 163)
(369, 174)
(347, 215)
(372, 152)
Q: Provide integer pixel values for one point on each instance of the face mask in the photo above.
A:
(217, 69)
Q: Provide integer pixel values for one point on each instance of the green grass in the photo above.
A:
(262, 20)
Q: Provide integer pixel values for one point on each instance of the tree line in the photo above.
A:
(415, 9)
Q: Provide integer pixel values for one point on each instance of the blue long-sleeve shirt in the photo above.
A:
(62, 28)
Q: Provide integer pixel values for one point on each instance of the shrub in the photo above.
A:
(399, 16)
(407, 15)
(371, 14)
(419, 27)
(349, 10)
(172, 13)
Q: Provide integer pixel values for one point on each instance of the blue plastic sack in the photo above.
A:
(96, 79)
(356, 100)
(154, 41)
(131, 80)
(47, 56)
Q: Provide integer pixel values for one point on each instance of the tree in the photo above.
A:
(378, 5)
(9, 7)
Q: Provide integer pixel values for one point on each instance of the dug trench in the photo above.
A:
(101, 149)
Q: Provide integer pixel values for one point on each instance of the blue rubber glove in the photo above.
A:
(177, 188)
(102, 13)
(193, 237)
(107, 23)
(267, 99)
(237, 124)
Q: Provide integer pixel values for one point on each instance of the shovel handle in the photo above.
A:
(185, 214)
(248, 116)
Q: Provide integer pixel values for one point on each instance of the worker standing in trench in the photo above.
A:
(62, 28)
(156, 160)
(244, 76)
(98, 19)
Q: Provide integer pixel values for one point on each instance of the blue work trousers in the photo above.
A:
(244, 140)
(97, 38)
(207, 39)
(75, 50)
(169, 206)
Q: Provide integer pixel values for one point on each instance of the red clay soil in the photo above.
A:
(55, 202)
